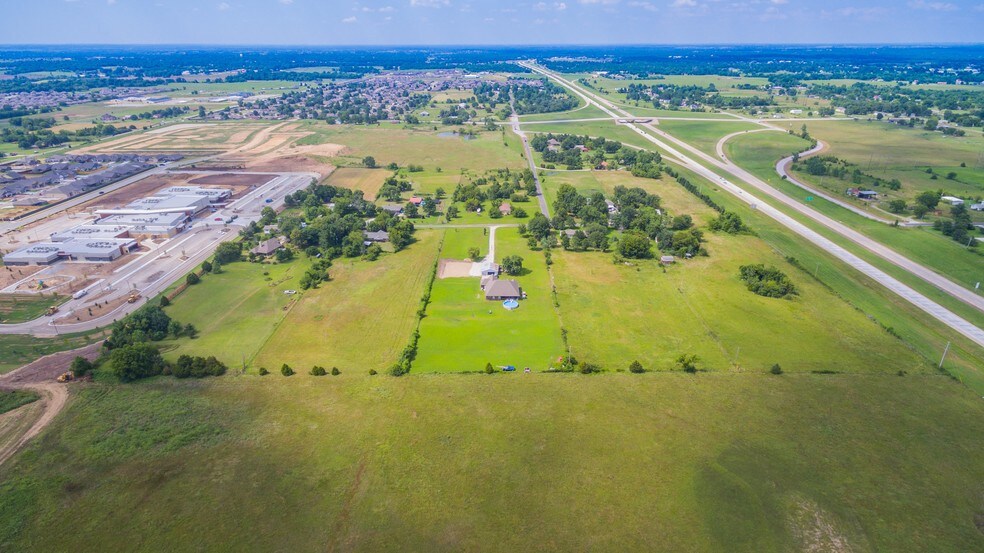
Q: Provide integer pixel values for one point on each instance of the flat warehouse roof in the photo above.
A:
(195, 191)
(163, 219)
(169, 202)
(41, 252)
(96, 247)
(83, 232)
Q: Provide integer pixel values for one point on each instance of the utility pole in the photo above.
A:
(945, 350)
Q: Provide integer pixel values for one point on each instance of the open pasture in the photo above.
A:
(709, 462)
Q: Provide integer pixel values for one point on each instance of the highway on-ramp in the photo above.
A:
(937, 311)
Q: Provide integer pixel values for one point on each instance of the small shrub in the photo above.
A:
(372, 372)
(776, 369)
(587, 368)
(397, 370)
(192, 279)
(688, 362)
(263, 371)
(286, 370)
(636, 367)
(82, 366)
(165, 302)
(489, 369)
(335, 371)
(318, 371)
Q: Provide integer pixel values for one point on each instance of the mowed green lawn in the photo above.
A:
(510, 462)
(360, 320)
(705, 134)
(462, 331)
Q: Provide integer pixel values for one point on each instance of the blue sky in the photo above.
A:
(344, 22)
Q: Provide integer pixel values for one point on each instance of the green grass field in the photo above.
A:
(420, 146)
(359, 320)
(657, 462)
(368, 181)
(12, 399)
(705, 135)
(17, 350)
(891, 151)
(17, 308)
(235, 311)
(462, 331)
(617, 314)
(758, 153)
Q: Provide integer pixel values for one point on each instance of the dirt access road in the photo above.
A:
(40, 376)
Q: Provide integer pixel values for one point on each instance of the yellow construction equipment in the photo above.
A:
(51, 310)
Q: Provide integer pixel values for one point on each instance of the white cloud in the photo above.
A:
(543, 6)
(684, 4)
(351, 19)
(384, 9)
(648, 6)
(932, 6)
(429, 3)
(604, 2)
(223, 6)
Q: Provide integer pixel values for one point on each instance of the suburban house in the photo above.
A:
(416, 200)
(505, 208)
(977, 207)
(952, 200)
(392, 209)
(377, 236)
(486, 280)
(267, 247)
(553, 144)
(503, 290)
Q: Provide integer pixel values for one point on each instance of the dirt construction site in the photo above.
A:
(240, 145)
(260, 163)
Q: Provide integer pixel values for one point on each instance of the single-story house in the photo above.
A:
(867, 194)
(977, 207)
(416, 200)
(486, 280)
(377, 236)
(952, 200)
(553, 144)
(267, 247)
(505, 208)
(392, 209)
(503, 290)
(667, 259)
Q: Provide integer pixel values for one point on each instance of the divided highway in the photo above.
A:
(677, 148)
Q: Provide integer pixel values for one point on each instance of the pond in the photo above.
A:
(454, 134)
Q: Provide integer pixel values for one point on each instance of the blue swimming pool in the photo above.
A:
(510, 304)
